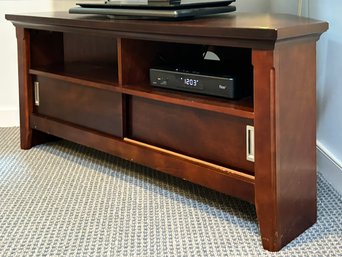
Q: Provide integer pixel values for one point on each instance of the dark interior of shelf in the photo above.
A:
(138, 56)
(96, 59)
(143, 55)
(75, 55)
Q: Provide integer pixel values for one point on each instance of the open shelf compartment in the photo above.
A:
(136, 57)
(87, 57)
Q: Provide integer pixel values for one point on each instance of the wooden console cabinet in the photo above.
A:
(86, 79)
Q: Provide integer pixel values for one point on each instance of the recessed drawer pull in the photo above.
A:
(250, 143)
(36, 93)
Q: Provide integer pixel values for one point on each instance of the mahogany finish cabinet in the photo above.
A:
(86, 79)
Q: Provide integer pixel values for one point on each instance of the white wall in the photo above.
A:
(252, 5)
(290, 6)
(329, 90)
(65, 5)
(9, 104)
(329, 83)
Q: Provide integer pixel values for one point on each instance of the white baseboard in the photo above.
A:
(9, 118)
(329, 166)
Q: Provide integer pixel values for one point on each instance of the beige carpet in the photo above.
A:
(62, 199)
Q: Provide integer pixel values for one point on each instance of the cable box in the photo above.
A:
(196, 81)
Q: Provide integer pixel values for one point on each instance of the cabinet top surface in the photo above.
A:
(237, 26)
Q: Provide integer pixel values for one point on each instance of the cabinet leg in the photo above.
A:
(31, 137)
(25, 137)
(28, 137)
(285, 142)
(278, 227)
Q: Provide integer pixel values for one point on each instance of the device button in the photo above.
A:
(222, 87)
(163, 83)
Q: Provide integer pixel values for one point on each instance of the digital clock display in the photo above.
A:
(189, 82)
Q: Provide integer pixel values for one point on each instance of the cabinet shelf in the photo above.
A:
(104, 74)
(241, 108)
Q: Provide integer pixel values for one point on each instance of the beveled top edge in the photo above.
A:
(246, 26)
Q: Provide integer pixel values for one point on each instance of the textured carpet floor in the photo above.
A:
(62, 199)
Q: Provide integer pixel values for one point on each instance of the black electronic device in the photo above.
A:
(155, 9)
(214, 83)
(157, 4)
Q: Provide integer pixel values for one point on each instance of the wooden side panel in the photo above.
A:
(86, 106)
(28, 136)
(296, 138)
(210, 136)
(25, 89)
(285, 130)
(264, 131)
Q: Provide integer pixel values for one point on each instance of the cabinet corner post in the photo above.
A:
(25, 89)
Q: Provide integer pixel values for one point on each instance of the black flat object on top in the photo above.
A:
(158, 4)
(155, 9)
